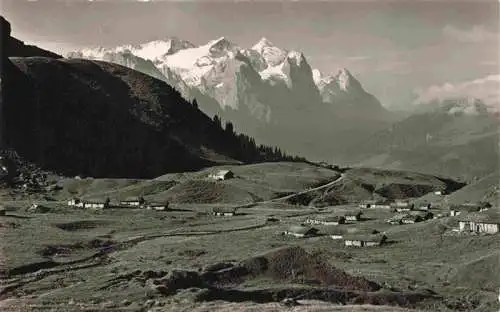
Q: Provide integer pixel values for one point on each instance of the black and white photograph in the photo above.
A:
(250, 155)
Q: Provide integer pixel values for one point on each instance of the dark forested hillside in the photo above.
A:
(101, 119)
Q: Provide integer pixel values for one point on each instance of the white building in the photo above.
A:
(300, 231)
(335, 220)
(224, 211)
(73, 201)
(95, 205)
(76, 202)
(221, 175)
(456, 210)
(132, 202)
(354, 216)
(157, 206)
(375, 204)
(365, 240)
(480, 222)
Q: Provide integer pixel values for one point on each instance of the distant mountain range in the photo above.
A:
(457, 138)
(267, 92)
(270, 93)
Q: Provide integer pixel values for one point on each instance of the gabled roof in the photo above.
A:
(366, 237)
(335, 218)
(470, 207)
(132, 199)
(369, 201)
(94, 201)
(300, 229)
(490, 217)
(353, 213)
(223, 209)
(157, 203)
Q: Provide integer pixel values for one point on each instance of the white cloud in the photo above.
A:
(486, 89)
(477, 33)
(358, 58)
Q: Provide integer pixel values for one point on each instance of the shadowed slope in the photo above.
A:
(101, 119)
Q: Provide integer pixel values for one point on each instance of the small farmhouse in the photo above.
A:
(424, 206)
(400, 206)
(353, 216)
(133, 202)
(221, 175)
(375, 204)
(335, 220)
(410, 217)
(224, 211)
(367, 203)
(157, 206)
(480, 222)
(334, 232)
(456, 210)
(300, 231)
(75, 202)
(366, 240)
(96, 204)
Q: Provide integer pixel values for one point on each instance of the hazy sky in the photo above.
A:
(396, 49)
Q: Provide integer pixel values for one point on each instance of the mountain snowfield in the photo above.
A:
(215, 69)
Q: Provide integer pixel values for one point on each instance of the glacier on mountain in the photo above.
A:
(261, 78)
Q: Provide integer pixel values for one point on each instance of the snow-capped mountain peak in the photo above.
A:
(344, 78)
(272, 55)
(256, 78)
(296, 57)
(221, 45)
(157, 49)
(316, 76)
(261, 44)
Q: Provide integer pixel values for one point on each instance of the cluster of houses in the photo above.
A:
(396, 206)
(410, 217)
(456, 210)
(131, 202)
(359, 239)
(336, 220)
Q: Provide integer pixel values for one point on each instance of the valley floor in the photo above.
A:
(185, 258)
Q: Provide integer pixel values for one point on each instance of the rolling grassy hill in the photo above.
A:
(485, 189)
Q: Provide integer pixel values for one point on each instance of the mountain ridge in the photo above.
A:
(265, 91)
